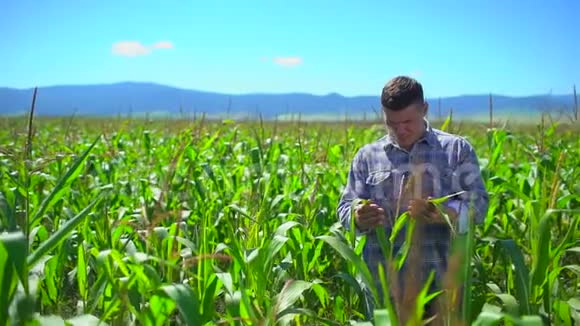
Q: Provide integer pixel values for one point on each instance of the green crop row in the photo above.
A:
(199, 223)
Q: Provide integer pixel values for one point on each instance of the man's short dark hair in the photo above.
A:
(401, 92)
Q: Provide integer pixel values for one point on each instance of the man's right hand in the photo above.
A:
(369, 215)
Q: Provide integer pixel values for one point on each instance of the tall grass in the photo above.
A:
(200, 222)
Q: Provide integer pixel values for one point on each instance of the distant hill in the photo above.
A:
(154, 99)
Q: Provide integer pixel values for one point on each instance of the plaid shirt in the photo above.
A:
(379, 172)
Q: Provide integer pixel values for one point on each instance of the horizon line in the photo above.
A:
(31, 88)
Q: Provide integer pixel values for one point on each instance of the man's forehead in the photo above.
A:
(411, 112)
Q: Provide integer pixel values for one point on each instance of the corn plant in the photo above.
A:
(158, 222)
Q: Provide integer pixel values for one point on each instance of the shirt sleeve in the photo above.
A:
(355, 189)
(467, 177)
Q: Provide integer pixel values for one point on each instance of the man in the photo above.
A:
(439, 164)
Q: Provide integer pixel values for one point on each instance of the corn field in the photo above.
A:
(138, 222)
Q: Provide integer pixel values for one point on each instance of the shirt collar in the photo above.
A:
(429, 137)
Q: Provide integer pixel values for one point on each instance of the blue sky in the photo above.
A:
(348, 47)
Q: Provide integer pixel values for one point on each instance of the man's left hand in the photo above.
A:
(428, 212)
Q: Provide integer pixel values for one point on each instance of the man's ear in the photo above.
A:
(425, 109)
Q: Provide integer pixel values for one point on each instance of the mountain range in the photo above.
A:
(136, 98)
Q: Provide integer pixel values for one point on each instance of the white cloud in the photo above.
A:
(163, 45)
(130, 48)
(288, 61)
(135, 48)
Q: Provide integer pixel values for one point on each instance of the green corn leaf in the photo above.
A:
(186, 302)
(439, 205)
(291, 292)
(387, 304)
(520, 270)
(443, 199)
(7, 213)
(51, 320)
(85, 320)
(351, 281)
(274, 247)
(406, 247)
(289, 313)
(488, 318)
(8, 283)
(208, 298)
(446, 123)
(59, 236)
(574, 250)
(399, 224)
(382, 317)
(348, 254)
(574, 303)
(510, 304)
(563, 311)
(60, 186)
(283, 229)
(539, 273)
(16, 247)
(530, 321)
(568, 238)
(82, 266)
(466, 248)
(423, 298)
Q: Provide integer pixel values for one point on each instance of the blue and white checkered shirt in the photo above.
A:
(379, 172)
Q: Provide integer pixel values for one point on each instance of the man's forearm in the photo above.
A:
(343, 211)
(473, 203)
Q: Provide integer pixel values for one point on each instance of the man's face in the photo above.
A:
(406, 126)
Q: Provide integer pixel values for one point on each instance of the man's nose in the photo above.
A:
(399, 129)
